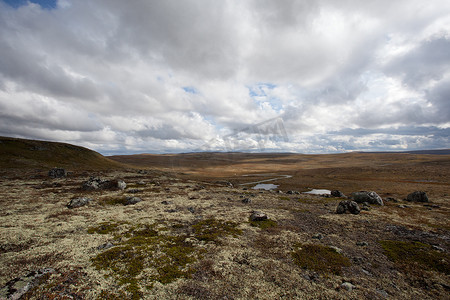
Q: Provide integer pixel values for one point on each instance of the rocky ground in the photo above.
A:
(195, 240)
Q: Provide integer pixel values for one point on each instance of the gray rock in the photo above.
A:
(338, 250)
(417, 196)
(348, 206)
(134, 191)
(318, 236)
(246, 200)
(132, 200)
(365, 196)
(362, 244)
(17, 287)
(120, 184)
(258, 216)
(78, 202)
(95, 183)
(383, 293)
(57, 173)
(191, 209)
(348, 286)
(105, 246)
(337, 194)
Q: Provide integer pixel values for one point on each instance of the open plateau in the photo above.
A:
(79, 225)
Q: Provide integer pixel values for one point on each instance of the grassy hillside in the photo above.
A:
(31, 154)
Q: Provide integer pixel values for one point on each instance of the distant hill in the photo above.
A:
(429, 152)
(32, 154)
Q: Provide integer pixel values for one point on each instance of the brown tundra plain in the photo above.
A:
(193, 226)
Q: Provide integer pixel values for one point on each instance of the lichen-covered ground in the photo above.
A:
(194, 240)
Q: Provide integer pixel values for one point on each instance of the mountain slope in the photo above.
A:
(31, 154)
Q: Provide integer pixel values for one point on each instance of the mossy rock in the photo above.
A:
(319, 258)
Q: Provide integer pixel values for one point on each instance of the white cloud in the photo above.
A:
(174, 75)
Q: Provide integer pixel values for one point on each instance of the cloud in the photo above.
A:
(173, 76)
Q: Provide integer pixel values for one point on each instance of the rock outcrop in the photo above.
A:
(348, 206)
(17, 287)
(78, 202)
(258, 216)
(95, 183)
(365, 196)
(57, 173)
(417, 196)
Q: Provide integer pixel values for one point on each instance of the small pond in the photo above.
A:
(265, 186)
(318, 192)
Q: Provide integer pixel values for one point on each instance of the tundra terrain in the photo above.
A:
(182, 227)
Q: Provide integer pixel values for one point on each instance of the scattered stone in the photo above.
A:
(338, 250)
(132, 200)
(105, 246)
(134, 191)
(57, 173)
(191, 209)
(383, 293)
(17, 287)
(318, 236)
(95, 183)
(244, 189)
(246, 200)
(166, 202)
(258, 216)
(432, 205)
(366, 272)
(337, 194)
(365, 196)
(347, 286)
(417, 196)
(78, 202)
(438, 248)
(348, 206)
(402, 206)
(290, 192)
(390, 199)
(362, 244)
(141, 182)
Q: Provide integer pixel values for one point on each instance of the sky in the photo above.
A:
(171, 76)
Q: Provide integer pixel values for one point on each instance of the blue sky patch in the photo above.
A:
(190, 90)
(45, 4)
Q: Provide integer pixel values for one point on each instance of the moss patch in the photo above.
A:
(167, 254)
(212, 229)
(114, 200)
(408, 254)
(319, 258)
(264, 224)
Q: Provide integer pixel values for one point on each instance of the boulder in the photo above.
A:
(370, 197)
(132, 200)
(258, 216)
(78, 202)
(337, 194)
(348, 206)
(417, 196)
(95, 183)
(57, 173)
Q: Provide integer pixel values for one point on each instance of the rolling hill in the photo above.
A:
(18, 153)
